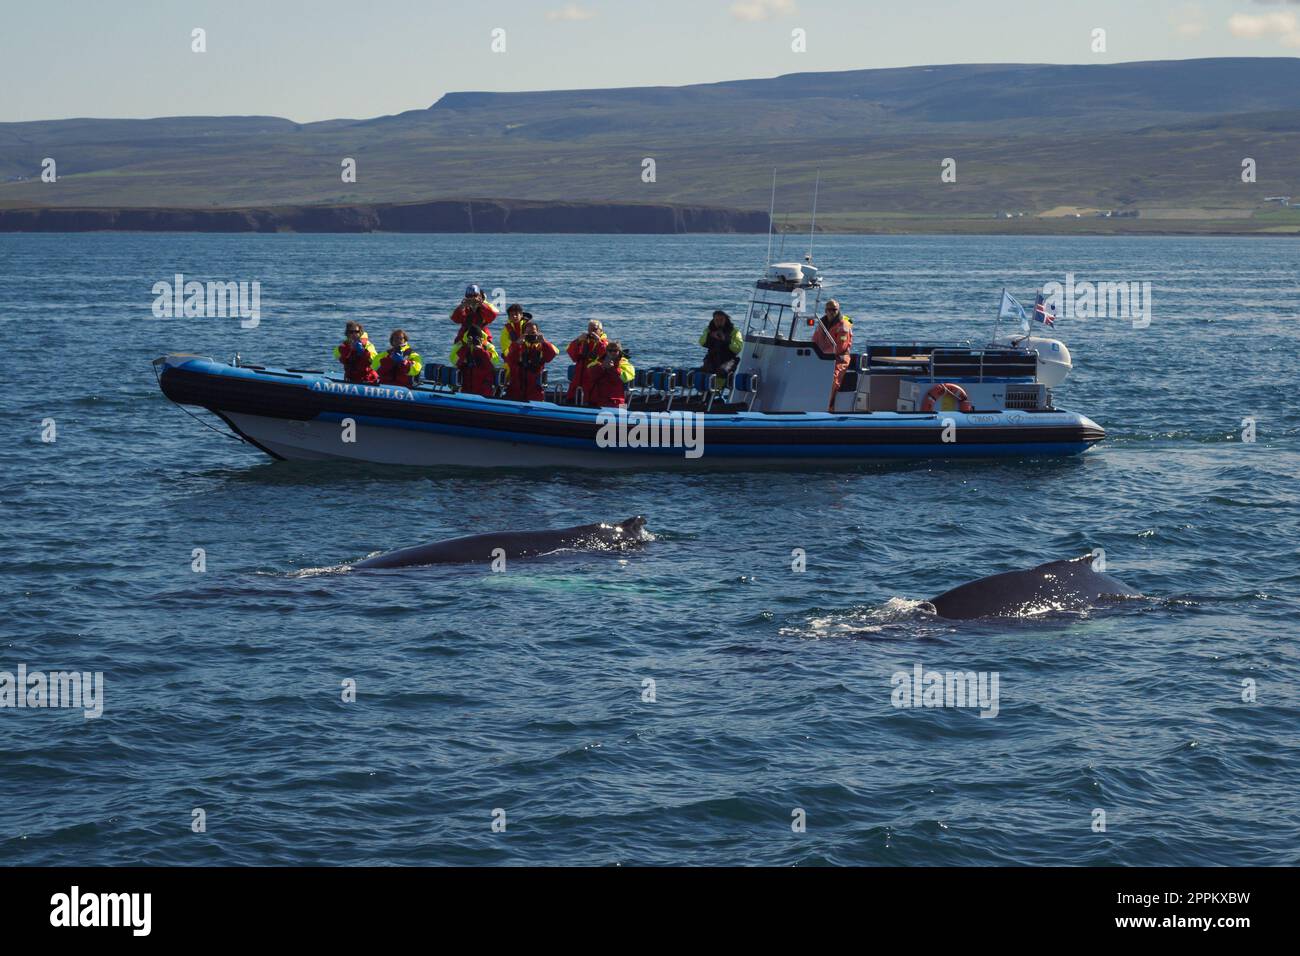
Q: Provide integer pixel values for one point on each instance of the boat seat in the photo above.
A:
(743, 382)
(706, 382)
(691, 390)
(682, 377)
(661, 381)
(442, 376)
(650, 384)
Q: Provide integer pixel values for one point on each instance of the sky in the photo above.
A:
(310, 60)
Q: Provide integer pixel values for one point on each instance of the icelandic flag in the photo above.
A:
(1042, 313)
(1011, 308)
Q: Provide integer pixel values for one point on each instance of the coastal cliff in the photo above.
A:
(473, 215)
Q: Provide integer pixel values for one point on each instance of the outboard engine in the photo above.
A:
(1053, 359)
(1054, 362)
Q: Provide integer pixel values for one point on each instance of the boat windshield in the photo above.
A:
(793, 319)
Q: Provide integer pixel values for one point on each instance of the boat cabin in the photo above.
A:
(793, 367)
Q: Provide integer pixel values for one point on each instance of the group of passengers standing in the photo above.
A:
(602, 371)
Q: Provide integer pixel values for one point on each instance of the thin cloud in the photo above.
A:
(753, 11)
(1189, 21)
(1282, 24)
(570, 11)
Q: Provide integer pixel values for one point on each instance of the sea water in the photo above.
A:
(726, 694)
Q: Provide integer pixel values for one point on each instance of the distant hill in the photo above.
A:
(1164, 139)
(1025, 97)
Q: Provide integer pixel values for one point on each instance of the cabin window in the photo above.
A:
(768, 319)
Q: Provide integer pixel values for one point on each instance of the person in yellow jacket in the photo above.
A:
(723, 342)
(400, 365)
(516, 317)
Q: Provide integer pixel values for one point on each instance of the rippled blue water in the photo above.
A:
(523, 691)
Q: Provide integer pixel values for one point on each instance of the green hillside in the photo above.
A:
(1164, 140)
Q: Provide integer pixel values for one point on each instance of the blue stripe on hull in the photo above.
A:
(765, 450)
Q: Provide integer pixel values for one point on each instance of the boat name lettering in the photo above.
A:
(363, 391)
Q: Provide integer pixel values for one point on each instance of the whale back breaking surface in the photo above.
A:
(485, 548)
(1056, 586)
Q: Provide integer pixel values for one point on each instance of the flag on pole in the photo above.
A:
(1011, 308)
(1042, 313)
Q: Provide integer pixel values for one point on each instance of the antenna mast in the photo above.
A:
(813, 228)
(771, 209)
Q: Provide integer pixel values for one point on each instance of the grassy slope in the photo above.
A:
(1025, 138)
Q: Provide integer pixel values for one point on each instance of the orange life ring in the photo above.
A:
(947, 388)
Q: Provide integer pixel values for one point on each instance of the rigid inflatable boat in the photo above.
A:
(896, 400)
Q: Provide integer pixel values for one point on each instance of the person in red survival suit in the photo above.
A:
(584, 350)
(400, 365)
(609, 376)
(834, 334)
(474, 309)
(356, 354)
(477, 361)
(528, 356)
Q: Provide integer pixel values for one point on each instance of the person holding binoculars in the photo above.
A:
(356, 355)
(477, 360)
(526, 359)
(609, 376)
(399, 365)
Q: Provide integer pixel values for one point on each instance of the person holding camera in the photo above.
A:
(609, 376)
(723, 343)
(399, 365)
(528, 356)
(477, 360)
(585, 349)
(474, 310)
(356, 355)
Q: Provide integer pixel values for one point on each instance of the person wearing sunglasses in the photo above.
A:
(835, 335)
(356, 354)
